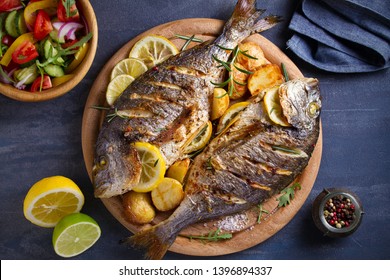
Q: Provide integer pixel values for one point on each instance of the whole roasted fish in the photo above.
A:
(167, 105)
(247, 164)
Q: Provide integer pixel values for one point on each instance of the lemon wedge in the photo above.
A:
(273, 107)
(153, 166)
(153, 49)
(74, 234)
(129, 66)
(50, 199)
(116, 87)
(202, 137)
(229, 117)
(220, 103)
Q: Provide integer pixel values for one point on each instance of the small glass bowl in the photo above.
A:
(318, 212)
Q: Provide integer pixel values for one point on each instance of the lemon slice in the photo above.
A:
(273, 107)
(129, 66)
(153, 50)
(117, 86)
(50, 199)
(229, 117)
(201, 139)
(153, 166)
(220, 103)
(75, 234)
(168, 194)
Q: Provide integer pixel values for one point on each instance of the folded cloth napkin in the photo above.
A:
(342, 35)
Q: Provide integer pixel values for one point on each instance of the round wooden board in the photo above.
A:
(253, 233)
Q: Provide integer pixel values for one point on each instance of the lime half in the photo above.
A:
(74, 234)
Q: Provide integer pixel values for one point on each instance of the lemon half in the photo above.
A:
(50, 199)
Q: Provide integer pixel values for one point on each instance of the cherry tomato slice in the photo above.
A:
(62, 16)
(6, 5)
(42, 26)
(25, 52)
(46, 84)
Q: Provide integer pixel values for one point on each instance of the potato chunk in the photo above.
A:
(178, 170)
(254, 50)
(241, 78)
(138, 207)
(266, 76)
(168, 194)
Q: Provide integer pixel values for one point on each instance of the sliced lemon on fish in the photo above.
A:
(153, 49)
(116, 87)
(230, 115)
(74, 234)
(129, 66)
(153, 166)
(50, 199)
(220, 103)
(273, 107)
(202, 137)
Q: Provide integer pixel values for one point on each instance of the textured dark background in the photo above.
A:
(44, 139)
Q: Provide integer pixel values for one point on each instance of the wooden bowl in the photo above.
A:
(87, 11)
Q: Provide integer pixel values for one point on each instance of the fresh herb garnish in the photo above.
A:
(213, 236)
(155, 163)
(188, 40)
(228, 65)
(288, 194)
(209, 166)
(261, 212)
(111, 116)
(285, 74)
(285, 149)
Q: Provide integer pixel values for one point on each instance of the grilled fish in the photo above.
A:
(167, 105)
(245, 165)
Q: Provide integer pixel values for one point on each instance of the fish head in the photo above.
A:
(117, 167)
(301, 102)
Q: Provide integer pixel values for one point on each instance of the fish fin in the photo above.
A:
(246, 20)
(152, 240)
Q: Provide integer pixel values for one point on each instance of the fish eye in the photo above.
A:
(313, 109)
(102, 161)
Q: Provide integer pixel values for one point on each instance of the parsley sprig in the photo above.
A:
(288, 194)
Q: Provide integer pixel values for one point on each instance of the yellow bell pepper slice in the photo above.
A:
(78, 57)
(30, 10)
(6, 59)
(60, 80)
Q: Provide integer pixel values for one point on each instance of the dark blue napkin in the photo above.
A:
(342, 35)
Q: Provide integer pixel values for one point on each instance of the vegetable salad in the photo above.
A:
(41, 42)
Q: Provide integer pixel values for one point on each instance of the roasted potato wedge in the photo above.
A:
(178, 170)
(240, 84)
(254, 50)
(266, 76)
(168, 194)
(138, 207)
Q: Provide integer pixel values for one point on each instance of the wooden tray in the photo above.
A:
(253, 233)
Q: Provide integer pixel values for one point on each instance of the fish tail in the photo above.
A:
(155, 241)
(246, 20)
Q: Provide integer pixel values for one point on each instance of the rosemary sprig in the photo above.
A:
(261, 212)
(111, 116)
(188, 40)
(285, 74)
(285, 149)
(229, 65)
(213, 236)
(209, 166)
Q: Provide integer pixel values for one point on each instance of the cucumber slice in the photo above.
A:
(54, 35)
(54, 70)
(10, 25)
(50, 51)
(20, 24)
(31, 71)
